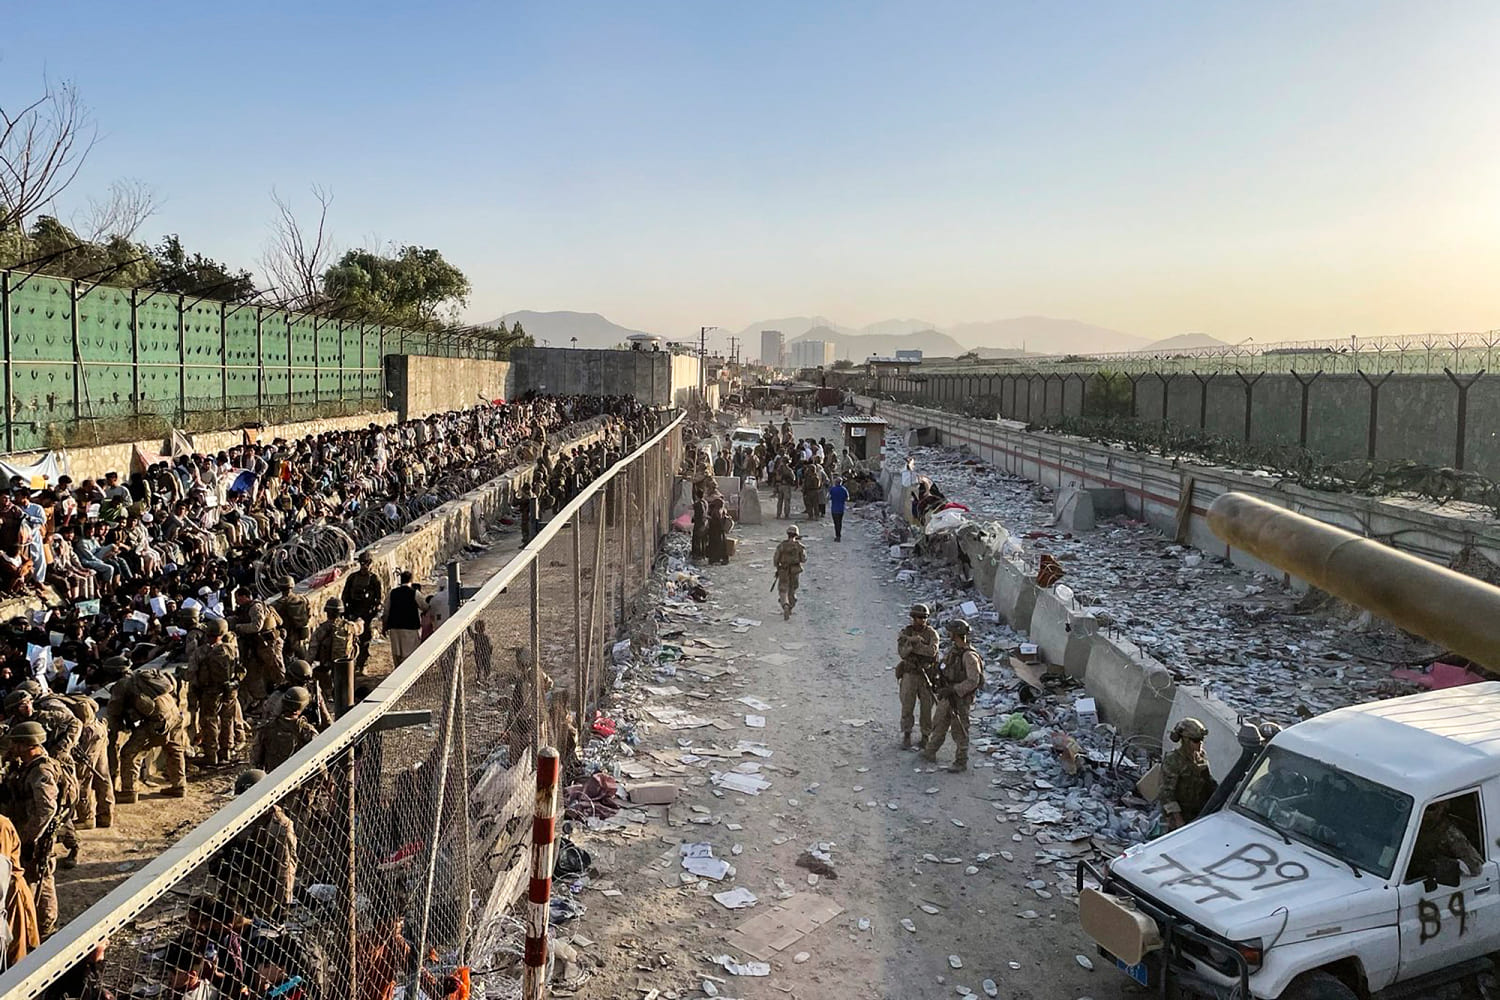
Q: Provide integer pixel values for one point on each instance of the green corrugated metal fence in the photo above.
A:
(93, 364)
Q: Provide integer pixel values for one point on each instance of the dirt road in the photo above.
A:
(910, 842)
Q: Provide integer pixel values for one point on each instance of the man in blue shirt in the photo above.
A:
(838, 495)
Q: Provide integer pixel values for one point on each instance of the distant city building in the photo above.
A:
(772, 349)
(909, 356)
(812, 354)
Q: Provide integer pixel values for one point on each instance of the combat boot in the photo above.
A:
(929, 755)
(959, 765)
(125, 796)
(906, 740)
(175, 791)
(70, 860)
(105, 821)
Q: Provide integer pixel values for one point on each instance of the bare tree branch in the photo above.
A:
(296, 256)
(42, 147)
(130, 203)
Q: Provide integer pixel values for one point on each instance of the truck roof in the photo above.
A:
(1448, 739)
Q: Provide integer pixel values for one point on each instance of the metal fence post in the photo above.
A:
(539, 892)
(578, 647)
(351, 935)
(596, 614)
(1374, 385)
(182, 387)
(5, 331)
(1461, 430)
(260, 367)
(535, 573)
(290, 395)
(444, 761)
(224, 360)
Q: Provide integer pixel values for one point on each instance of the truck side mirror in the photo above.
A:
(1446, 872)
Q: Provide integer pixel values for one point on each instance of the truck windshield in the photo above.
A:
(1347, 816)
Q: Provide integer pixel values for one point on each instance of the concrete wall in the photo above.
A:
(657, 378)
(91, 463)
(1416, 418)
(421, 385)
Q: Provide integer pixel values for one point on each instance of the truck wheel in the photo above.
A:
(1484, 986)
(1318, 986)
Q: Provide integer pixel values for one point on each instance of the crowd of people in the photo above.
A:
(167, 655)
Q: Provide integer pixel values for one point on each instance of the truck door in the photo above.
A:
(1444, 924)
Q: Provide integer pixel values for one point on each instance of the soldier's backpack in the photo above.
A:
(294, 611)
(153, 682)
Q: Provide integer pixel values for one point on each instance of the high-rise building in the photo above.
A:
(772, 349)
(811, 354)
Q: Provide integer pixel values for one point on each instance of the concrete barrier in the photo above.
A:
(1134, 691)
(1222, 744)
(1063, 632)
(984, 560)
(1014, 595)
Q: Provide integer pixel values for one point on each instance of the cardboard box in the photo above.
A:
(653, 793)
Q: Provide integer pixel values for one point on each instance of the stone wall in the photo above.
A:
(420, 385)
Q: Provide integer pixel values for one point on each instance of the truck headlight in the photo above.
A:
(1252, 952)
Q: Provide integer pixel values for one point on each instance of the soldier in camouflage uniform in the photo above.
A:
(63, 733)
(144, 703)
(34, 798)
(788, 560)
(96, 787)
(197, 635)
(962, 677)
(1186, 784)
(917, 646)
(261, 667)
(258, 870)
(295, 613)
(283, 736)
(364, 597)
(212, 676)
(334, 644)
(299, 674)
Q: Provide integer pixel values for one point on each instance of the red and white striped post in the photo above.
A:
(539, 896)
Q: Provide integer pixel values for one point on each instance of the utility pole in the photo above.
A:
(734, 352)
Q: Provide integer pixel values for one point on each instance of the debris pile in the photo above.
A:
(1258, 647)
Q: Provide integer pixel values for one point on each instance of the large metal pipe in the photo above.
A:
(1451, 609)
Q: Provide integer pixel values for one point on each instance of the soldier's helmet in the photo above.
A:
(191, 615)
(299, 669)
(16, 699)
(247, 779)
(296, 697)
(920, 611)
(27, 734)
(958, 627)
(31, 686)
(333, 606)
(288, 583)
(792, 531)
(218, 627)
(1189, 729)
(117, 663)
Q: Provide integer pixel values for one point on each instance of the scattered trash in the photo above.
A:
(737, 898)
(734, 968)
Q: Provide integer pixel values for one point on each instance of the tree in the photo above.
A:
(412, 287)
(130, 203)
(195, 275)
(842, 365)
(49, 247)
(296, 256)
(42, 147)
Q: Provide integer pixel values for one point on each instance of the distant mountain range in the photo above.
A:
(994, 339)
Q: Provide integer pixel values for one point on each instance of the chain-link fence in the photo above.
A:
(389, 851)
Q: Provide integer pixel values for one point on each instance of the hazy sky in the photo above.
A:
(1262, 169)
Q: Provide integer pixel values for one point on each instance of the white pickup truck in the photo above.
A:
(1357, 859)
